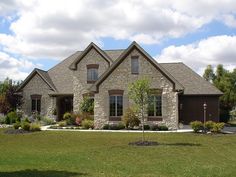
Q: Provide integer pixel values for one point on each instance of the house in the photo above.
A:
(178, 93)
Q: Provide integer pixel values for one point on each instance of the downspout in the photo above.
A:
(178, 93)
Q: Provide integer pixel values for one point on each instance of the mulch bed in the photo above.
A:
(144, 143)
(13, 131)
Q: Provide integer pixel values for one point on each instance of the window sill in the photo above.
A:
(135, 73)
(91, 82)
(154, 118)
(115, 118)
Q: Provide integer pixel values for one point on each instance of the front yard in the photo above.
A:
(72, 154)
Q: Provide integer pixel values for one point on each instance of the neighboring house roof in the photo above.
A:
(73, 66)
(43, 74)
(193, 83)
(177, 85)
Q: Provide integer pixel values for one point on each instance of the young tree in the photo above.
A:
(138, 92)
(209, 74)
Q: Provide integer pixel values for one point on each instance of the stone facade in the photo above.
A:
(80, 85)
(121, 77)
(37, 86)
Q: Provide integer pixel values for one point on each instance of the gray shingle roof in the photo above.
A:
(193, 83)
(60, 77)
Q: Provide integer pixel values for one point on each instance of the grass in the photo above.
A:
(72, 154)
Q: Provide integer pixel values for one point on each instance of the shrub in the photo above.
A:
(87, 124)
(11, 117)
(118, 126)
(196, 126)
(162, 128)
(78, 121)
(35, 127)
(87, 105)
(26, 119)
(209, 125)
(25, 126)
(121, 126)
(146, 127)
(217, 127)
(2, 120)
(106, 127)
(130, 119)
(62, 123)
(17, 125)
(69, 118)
(47, 121)
(154, 127)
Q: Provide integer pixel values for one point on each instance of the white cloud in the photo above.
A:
(213, 50)
(16, 69)
(56, 28)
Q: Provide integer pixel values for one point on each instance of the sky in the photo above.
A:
(41, 33)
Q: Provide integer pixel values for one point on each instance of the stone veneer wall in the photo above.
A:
(37, 86)
(120, 79)
(80, 85)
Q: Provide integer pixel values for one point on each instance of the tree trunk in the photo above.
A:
(142, 126)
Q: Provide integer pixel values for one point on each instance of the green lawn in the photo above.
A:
(71, 154)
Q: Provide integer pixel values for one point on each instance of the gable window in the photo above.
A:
(155, 104)
(36, 103)
(134, 65)
(115, 104)
(92, 73)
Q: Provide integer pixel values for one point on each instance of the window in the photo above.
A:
(116, 105)
(36, 103)
(134, 65)
(92, 73)
(154, 105)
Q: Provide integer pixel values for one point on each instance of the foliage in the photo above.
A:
(138, 92)
(62, 124)
(87, 124)
(2, 119)
(78, 121)
(69, 118)
(163, 128)
(47, 121)
(8, 99)
(225, 81)
(25, 126)
(146, 127)
(106, 127)
(119, 126)
(233, 114)
(26, 119)
(130, 119)
(217, 127)
(87, 105)
(209, 125)
(196, 126)
(35, 127)
(154, 127)
(11, 117)
(17, 125)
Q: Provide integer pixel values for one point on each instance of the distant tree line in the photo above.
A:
(8, 98)
(225, 81)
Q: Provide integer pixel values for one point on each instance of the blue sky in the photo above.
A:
(40, 34)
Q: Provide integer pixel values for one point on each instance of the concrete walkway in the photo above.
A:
(46, 128)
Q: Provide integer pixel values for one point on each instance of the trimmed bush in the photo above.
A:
(154, 127)
(217, 127)
(146, 127)
(25, 126)
(87, 124)
(209, 125)
(67, 115)
(130, 119)
(106, 127)
(35, 127)
(17, 125)
(11, 117)
(62, 124)
(196, 126)
(163, 128)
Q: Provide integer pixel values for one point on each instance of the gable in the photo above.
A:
(91, 46)
(146, 56)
